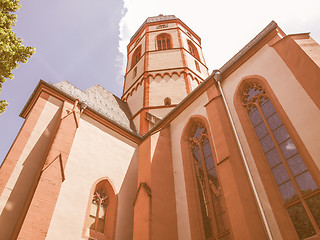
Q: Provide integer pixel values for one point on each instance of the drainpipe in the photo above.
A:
(217, 77)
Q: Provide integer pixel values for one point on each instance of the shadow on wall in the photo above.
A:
(164, 214)
(18, 202)
(125, 108)
(126, 196)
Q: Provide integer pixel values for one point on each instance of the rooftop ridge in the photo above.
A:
(102, 101)
(269, 28)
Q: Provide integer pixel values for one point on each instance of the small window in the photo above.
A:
(163, 41)
(137, 41)
(101, 212)
(135, 72)
(136, 56)
(162, 26)
(193, 50)
(167, 101)
(197, 65)
(98, 210)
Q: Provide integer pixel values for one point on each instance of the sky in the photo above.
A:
(84, 41)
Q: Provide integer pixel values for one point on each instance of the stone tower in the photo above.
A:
(164, 64)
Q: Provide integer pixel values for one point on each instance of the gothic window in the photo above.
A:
(136, 56)
(193, 50)
(101, 212)
(163, 41)
(98, 210)
(197, 65)
(212, 207)
(299, 191)
(135, 72)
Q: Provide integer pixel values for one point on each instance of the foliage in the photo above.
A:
(300, 218)
(301, 221)
(12, 51)
(314, 206)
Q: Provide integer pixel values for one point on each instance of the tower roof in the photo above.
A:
(162, 18)
(158, 18)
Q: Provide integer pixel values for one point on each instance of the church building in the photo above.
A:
(184, 154)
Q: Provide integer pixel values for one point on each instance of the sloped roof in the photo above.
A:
(269, 28)
(101, 101)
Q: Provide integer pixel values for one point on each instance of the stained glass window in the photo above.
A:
(296, 185)
(212, 207)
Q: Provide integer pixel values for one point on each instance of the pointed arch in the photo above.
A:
(207, 213)
(287, 171)
(193, 50)
(136, 56)
(100, 222)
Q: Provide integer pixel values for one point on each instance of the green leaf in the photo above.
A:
(12, 52)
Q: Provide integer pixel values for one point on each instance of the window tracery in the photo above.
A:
(163, 41)
(299, 191)
(212, 207)
(98, 210)
(101, 212)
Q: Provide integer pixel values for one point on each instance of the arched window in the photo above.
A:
(167, 101)
(212, 207)
(136, 56)
(135, 72)
(163, 41)
(193, 50)
(98, 210)
(102, 212)
(299, 191)
(197, 65)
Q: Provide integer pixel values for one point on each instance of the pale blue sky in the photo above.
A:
(79, 40)
(75, 40)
